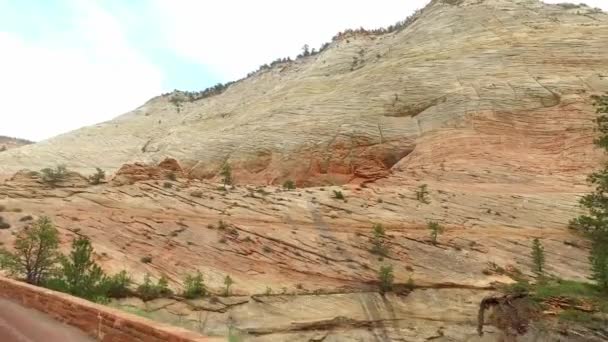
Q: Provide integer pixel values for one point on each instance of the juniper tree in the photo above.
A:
(595, 223)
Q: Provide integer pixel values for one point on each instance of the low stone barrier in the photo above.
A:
(98, 321)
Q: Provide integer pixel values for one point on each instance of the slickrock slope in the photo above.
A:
(310, 250)
(500, 82)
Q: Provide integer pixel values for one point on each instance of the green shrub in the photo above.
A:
(338, 195)
(378, 245)
(167, 185)
(386, 278)
(228, 282)
(149, 290)
(97, 177)
(117, 286)
(146, 259)
(54, 176)
(26, 218)
(226, 174)
(422, 194)
(4, 225)
(194, 286)
(436, 229)
(222, 225)
(289, 185)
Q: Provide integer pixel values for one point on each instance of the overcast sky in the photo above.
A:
(65, 64)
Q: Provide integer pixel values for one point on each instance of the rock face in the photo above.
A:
(501, 82)
(301, 259)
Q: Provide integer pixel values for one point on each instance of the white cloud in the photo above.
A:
(48, 89)
(234, 37)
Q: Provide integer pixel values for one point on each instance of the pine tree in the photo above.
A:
(595, 223)
(80, 275)
(538, 258)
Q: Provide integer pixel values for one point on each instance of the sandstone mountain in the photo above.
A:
(507, 79)
(485, 102)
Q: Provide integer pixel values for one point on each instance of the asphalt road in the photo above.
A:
(20, 324)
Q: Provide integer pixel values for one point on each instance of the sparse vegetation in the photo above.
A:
(97, 177)
(26, 218)
(538, 258)
(386, 278)
(289, 185)
(226, 174)
(435, 229)
(378, 245)
(36, 252)
(222, 225)
(422, 194)
(228, 282)
(149, 290)
(167, 185)
(197, 194)
(595, 224)
(54, 176)
(4, 225)
(146, 259)
(177, 102)
(194, 286)
(338, 195)
(172, 176)
(117, 286)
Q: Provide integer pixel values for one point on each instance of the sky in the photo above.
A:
(65, 64)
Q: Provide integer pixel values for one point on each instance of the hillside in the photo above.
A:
(485, 102)
(7, 143)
